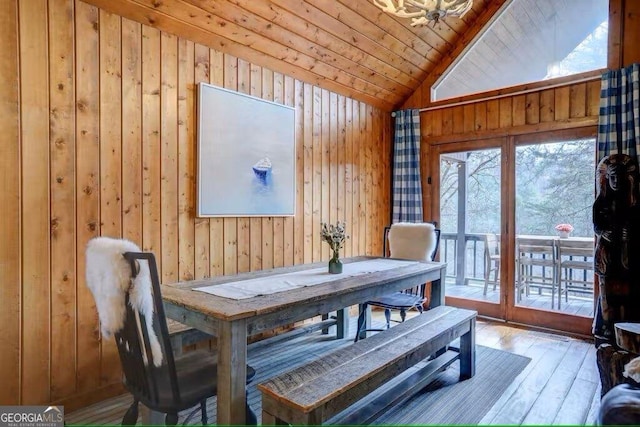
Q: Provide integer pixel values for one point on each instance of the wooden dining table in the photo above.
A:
(232, 321)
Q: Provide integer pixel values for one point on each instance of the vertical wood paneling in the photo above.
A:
(493, 114)
(298, 220)
(289, 222)
(87, 189)
(577, 100)
(593, 98)
(110, 158)
(186, 159)
(468, 120)
(631, 33)
(562, 109)
(325, 206)
(447, 123)
(341, 151)
(103, 136)
(255, 223)
(518, 110)
(547, 105)
(457, 121)
(10, 209)
(169, 156)
(267, 222)
(316, 192)
(333, 158)
(480, 110)
(355, 149)
(131, 130)
(369, 190)
(615, 33)
(532, 113)
(278, 222)
(34, 119)
(348, 174)
(151, 153)
(202, 225)
(63, 208)
(244, 232)
(506, 113)
(376, 193)
(230, 224)
(308, 171)
(362, 177)
(216, 225)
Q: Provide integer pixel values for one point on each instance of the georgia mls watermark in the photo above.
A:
(31, 416)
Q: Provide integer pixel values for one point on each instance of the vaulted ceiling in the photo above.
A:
(348, 46)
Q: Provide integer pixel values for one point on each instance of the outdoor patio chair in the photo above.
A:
(537, 263)
(575, 255)
(152, 374)
(418, 242)
(491, 261)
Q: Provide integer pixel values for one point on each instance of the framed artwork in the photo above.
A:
(246, 155)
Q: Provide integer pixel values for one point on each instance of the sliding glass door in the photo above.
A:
(517, 235)
(470, 213)
(554, 240)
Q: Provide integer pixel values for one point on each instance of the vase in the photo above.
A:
(335, 265)
(563, 234)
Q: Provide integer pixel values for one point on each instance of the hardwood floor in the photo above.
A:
(559, 386)
(580, 305)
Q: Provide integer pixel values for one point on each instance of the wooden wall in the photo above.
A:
(568, 107)
(624, 33)
(98, 138)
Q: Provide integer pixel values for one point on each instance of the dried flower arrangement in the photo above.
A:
(334, 235)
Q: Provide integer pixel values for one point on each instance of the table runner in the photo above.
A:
(244, 289)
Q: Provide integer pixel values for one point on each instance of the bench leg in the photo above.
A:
(270, 420)
(468, 352)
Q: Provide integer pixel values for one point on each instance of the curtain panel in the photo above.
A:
(619, 122)
(407, 187)
(615, 215)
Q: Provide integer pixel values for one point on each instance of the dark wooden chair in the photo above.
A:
(180, 382)
(403, 301)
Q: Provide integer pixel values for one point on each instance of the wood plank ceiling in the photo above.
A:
(350, 47)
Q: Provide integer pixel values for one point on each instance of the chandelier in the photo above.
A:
(422, 12)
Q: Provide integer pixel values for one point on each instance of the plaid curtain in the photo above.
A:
(407, 188)
(619, 124)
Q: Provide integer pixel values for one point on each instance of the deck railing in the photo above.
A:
(475, 264)
(474, 255)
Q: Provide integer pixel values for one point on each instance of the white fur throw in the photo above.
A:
(412, 240)
(109, 277)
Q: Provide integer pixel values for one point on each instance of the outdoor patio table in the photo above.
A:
(272, 305)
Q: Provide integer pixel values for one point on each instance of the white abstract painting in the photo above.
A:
(246, 155)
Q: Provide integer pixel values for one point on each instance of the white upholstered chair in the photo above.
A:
(414, 241)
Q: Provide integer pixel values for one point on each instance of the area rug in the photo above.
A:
(444, 401)
(450, 401)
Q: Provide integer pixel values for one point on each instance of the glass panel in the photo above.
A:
(554, 229)
(470, 219)
(530, 41)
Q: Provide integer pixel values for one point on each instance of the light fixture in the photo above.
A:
(422, 12)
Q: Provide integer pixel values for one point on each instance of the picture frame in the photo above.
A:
(245, 154)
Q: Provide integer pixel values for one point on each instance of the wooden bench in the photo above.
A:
(317, 391)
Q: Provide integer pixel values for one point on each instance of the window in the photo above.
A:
(530, 41)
